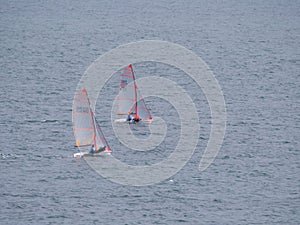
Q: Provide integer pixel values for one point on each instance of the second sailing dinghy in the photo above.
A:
(87, 131)
(130, 101)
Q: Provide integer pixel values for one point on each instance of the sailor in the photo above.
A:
(92, 150)
(101, 149)
(129, 117)
(136, 119)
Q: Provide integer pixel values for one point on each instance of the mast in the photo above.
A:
(92, 118)
(135, 94)
(95, 142)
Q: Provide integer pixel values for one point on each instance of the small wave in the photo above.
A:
(41, 121)
(50, 121)
(7, 156)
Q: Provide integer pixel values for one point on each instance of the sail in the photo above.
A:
(130, 99)
(140, 110)
(82, 118)
(127, 96)
(86, 128)
(143, 111)
(100, 140)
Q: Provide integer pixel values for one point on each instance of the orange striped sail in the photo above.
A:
(86, 128)
(129, 99)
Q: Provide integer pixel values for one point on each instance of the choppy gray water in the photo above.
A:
(251, 46)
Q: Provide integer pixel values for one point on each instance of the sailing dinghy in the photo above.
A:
(87, 131)
(130, 101)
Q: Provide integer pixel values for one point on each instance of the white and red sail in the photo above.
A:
(86, 128)
(130, 100)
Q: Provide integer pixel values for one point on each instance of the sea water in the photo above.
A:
(252, 47)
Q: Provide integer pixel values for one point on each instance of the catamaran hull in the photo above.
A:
(125, 121)
(120, 120)
(84, 154)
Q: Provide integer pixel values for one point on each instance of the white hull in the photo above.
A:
(82, 154)
(125, 121)
(120, 121)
